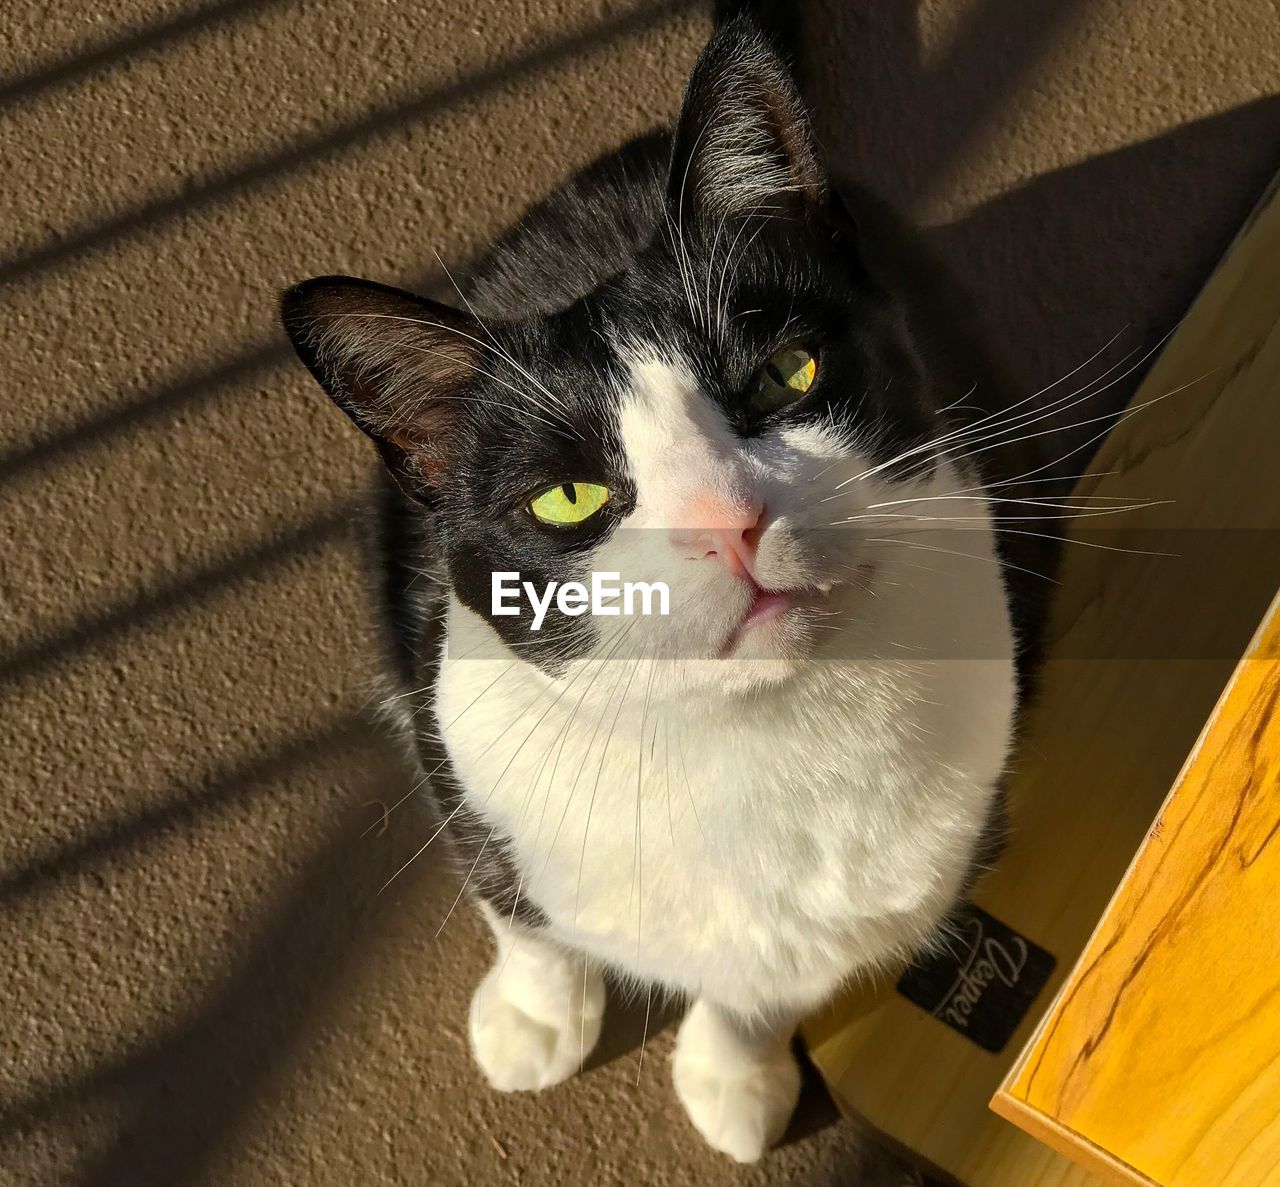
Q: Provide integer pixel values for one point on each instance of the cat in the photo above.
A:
(702, 363)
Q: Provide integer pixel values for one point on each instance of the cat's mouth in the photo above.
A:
(770, 606)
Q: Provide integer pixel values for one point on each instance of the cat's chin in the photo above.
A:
(743, 675)
(739, 675)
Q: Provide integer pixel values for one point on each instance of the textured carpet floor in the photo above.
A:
(199, 981)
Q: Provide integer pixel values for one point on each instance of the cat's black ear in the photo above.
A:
(742, 141)
(396, 364)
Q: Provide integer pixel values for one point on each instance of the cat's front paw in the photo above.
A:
(739, 1101)
(532, 1027)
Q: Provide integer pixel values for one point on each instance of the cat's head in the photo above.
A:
(711, 417)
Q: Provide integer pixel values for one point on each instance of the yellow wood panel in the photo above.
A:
(1106, 736)
(1164, 1046)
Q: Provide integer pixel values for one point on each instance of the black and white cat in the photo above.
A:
(689, 365)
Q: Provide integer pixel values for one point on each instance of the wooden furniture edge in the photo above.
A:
(1068, 1143)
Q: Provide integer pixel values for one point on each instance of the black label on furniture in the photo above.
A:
(981, 979)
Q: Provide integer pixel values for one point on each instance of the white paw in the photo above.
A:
(531, 1025)
(740, 1103)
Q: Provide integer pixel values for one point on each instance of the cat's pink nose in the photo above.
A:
(727, 531)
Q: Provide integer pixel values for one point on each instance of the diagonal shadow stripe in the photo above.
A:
(91, 630)
(223, 787)
(187, 391)
(132, 44)
(199, 195)
(24, 1113)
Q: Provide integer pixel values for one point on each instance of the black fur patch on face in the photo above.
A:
(565, 431)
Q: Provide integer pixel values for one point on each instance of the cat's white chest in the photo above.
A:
(754, 854)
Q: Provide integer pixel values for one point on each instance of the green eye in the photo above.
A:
(784, 378)
(569, 503)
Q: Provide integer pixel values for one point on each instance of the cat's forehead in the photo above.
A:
(691, 273)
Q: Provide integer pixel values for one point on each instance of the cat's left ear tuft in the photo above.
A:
(742, 142)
